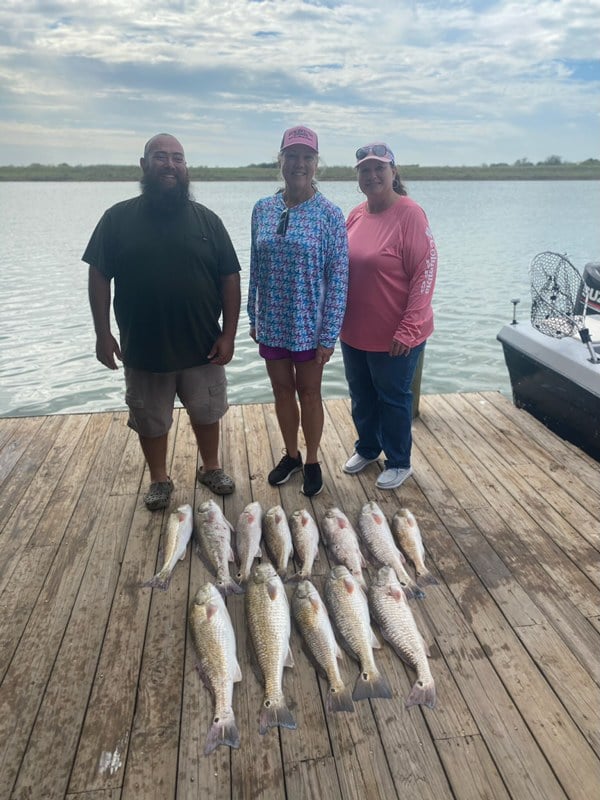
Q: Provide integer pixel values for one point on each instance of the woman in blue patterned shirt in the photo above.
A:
(297, 299)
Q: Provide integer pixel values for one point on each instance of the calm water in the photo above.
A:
(486, 233)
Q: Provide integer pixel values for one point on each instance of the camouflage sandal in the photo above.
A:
(158, 495)
(216, 480)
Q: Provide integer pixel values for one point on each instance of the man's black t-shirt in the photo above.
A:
(167, 272)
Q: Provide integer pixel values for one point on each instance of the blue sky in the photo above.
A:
(442, 81)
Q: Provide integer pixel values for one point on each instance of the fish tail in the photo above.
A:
(275, 715)
(160, 581)
(339, 699)
(425, 578)
(422, 694)
(226, 585)
(412, 590)
(371, 685)
(222, 731)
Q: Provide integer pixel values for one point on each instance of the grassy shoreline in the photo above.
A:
(107, 172)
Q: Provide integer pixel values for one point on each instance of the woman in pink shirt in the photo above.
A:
(393, 265)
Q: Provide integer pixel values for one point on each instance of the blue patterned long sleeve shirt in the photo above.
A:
(299, 278)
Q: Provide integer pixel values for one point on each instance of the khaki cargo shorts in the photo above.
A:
(150, 397)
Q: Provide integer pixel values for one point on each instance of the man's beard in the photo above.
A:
(165, 201)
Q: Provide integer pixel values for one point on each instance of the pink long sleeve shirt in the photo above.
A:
(393, 266)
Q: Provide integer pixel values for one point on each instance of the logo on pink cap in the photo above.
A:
(300, 135)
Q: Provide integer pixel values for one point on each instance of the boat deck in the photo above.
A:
(99, 697)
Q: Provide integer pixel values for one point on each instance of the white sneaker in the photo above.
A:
(356, 463)
(392, 478)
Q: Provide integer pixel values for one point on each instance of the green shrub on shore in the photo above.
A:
(522, 170)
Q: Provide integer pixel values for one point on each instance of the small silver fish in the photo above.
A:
(214, 640)
(214, 541)
(342, 542)
(405, 527)
(305, 537)
(392, 611)
(278, 537)
(179, 531)
(349, 609)
(313, 621)
(377, 536)
(269, 624)
(248, 534)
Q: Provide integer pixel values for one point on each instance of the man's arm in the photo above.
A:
(222, 350)
(107, 347)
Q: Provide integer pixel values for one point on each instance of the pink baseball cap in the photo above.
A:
(300, 135)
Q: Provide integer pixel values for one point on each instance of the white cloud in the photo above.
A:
(444, 82)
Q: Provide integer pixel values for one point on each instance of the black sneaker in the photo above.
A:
(285, 469)
(313, 480)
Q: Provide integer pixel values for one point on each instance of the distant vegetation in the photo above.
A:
(553, 168)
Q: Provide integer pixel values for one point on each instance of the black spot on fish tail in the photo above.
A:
(275, 716)
(422, 694)
(339, 700)
(222, 732)
(368, 685)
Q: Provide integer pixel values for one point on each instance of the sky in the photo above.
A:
(444, 82)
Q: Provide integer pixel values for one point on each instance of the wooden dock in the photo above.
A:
(99, 697)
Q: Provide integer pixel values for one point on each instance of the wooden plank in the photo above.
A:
(579, 694)
(151, 769)
(26, 470)
(35, 557)
(306, 780)
(22, 690)
(471, 771)
(535, 439)
(48, 759)
(522, 765)
(15, 438)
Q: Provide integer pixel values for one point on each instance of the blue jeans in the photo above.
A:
(380, 391)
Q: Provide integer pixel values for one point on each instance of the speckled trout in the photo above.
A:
(391, 610)
(312, 619)
(179, 531)
(269, 623)
(349, 609)
(214, 640)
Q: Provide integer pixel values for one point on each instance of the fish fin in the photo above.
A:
(275, 716)
(375, 641)
(422, 694)
(159, 581)
(412, 591)
(227, 585)
(425, 645)
(339, 700)
(371, 686)
(289, 659)
(231, 556)
(222, 731)
(339, 653)
(237, 673)
(425, 578)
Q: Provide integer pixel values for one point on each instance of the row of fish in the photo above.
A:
(348, 603)
(299, 536)
(269, 625)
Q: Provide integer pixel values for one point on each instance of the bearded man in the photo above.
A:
(175, 272)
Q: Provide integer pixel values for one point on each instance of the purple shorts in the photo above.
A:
(277, 353)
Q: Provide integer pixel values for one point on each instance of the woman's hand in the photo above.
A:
(323, 354)
(398, 349)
